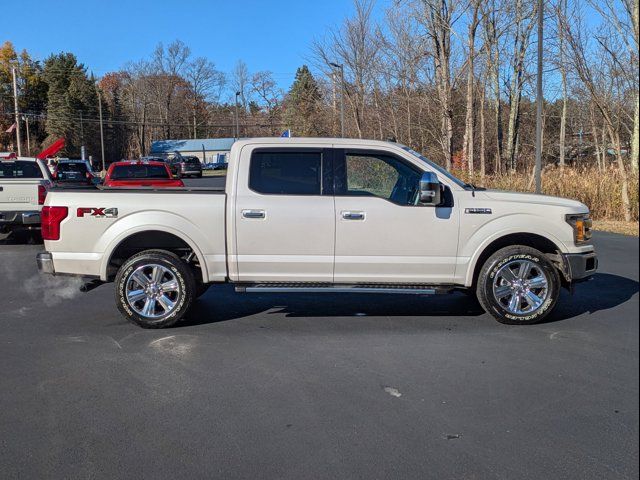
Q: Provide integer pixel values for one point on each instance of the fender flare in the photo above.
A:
(145, 228)
(471, 266)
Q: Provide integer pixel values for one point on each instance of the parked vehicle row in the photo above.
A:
(320, 215)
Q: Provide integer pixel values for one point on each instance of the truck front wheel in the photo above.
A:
(518, 285)
(154, 289)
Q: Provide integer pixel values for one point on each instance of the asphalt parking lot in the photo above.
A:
(299, 386)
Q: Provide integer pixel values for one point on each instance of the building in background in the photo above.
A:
(208, 150)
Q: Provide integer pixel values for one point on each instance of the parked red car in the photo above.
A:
(140, 174)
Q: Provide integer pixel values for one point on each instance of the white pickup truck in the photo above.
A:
(23, 186)
(320, 215)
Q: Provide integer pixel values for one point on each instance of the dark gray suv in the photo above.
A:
(185, 166)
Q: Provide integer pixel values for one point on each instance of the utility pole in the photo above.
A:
(194, 124)
(26, 121)
(15, 105)
(101, 129)
(341, 67)
(237, 118)
(539, 100)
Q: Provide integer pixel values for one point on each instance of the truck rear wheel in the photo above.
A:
(518, 285)
(154, 289)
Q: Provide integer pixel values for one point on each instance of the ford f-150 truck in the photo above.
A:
(23, 186)
(320, 215)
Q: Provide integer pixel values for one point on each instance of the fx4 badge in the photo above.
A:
(100, 212)
(486, 211)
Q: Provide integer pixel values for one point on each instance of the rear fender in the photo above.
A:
(149, 221)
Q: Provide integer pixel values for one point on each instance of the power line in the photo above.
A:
(42, 116)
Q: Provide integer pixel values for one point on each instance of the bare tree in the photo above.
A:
(561, 11)
(240, 80)
(523, 20)
(206, 85)
(468, 141)
(266, 90)
(439, 17)
(576, 42)
(492, 33)
(354, 45)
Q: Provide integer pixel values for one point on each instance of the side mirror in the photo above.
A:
(430, 189)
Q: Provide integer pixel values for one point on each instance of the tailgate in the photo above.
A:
(18, 195)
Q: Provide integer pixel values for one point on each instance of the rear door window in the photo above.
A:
(286, 172)
(19, 169)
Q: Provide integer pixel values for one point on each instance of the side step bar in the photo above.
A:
(342, 288)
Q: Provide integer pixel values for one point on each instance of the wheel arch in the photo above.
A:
(149, 238)
(540, 242)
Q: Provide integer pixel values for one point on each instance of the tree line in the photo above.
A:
(454, 79)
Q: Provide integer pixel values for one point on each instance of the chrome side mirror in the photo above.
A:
(430, 190)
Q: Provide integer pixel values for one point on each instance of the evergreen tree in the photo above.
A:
(32, 95)
(304, 105)
(71, 95)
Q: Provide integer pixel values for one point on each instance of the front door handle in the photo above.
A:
(348, 215)
(253, 213)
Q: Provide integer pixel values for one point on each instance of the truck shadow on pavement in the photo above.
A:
(222, 303)
(24, 237)
(602, 292)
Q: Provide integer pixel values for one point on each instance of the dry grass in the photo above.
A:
(214, 173)
(625, 228)
(600, 191)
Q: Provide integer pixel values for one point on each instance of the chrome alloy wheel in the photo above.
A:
(521, 287)
(152, 290)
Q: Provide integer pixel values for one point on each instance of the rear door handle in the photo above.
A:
(253, 213)
(348, 215)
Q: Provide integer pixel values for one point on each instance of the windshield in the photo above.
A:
(72, 167)
(435, 166)
(19, 169)
(139, 171)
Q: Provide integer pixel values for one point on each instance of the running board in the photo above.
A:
(342, 288)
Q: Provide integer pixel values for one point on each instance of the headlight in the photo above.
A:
(581, 224)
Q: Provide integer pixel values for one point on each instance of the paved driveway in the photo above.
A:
(299, 386)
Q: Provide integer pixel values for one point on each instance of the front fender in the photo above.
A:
(500, 227)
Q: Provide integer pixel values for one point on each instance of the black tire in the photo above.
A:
(492, 284)
(199, 175)
(181, 298)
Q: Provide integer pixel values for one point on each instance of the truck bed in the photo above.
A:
(99, 219)
(171, 190)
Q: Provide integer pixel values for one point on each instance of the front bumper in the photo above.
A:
(580, 266)
(45, 263)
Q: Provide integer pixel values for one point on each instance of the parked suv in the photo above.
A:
(73, 171)
(185, 166)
